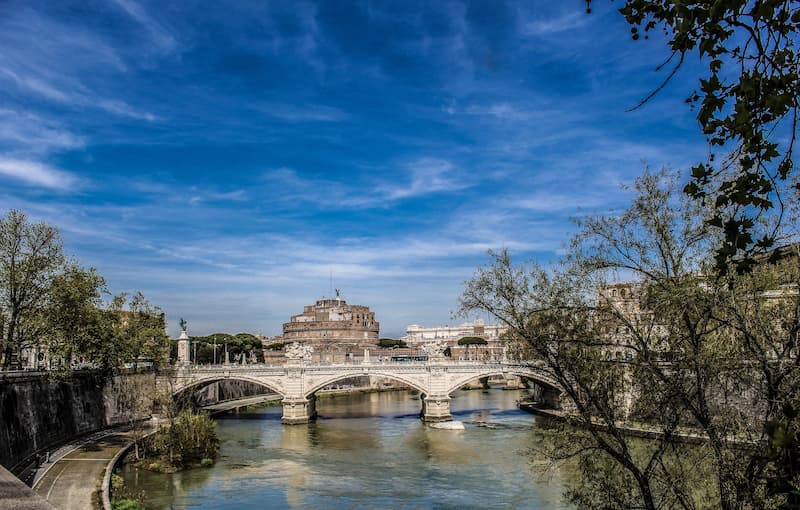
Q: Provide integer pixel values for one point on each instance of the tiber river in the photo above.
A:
(368, 451)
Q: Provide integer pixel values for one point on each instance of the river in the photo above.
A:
(367, 451)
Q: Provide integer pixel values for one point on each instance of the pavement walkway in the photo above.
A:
(72, 480)
(72, 477)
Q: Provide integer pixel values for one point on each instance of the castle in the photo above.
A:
(332, 326)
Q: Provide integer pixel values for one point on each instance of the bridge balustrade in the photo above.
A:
(298, 381)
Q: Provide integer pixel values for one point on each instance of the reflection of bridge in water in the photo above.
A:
(296, 382)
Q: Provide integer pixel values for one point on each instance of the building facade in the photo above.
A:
(333, 326)
(416, 336)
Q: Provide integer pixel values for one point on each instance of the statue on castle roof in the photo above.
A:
(183, 324)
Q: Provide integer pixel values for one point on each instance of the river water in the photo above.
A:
(368, 451)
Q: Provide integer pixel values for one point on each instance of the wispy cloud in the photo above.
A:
(304, 113)
(26, 132)
(427, 176)
(199, 196)
(65, 67)
(162, 37)
(568, 21)
(37, 174)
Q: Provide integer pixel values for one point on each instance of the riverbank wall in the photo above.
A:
(41, 411)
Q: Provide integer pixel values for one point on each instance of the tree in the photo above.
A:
(746, 104)
(472, 340)
(139, 330)
(31, 254)
(75, 319)
(391, 342)
(712, 351)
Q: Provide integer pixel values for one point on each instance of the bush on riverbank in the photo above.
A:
(127, 504)
(189, 441)
(123, 498)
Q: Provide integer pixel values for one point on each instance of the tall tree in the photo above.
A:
(31, 254)
(140, 328)
(716, 352)
(746, 104)
(75, 317)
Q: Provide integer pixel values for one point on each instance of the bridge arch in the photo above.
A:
(541, 379)
(205, 381)
(318, 385)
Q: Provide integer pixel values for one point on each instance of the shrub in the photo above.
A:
(391, 342)
(126, 504)
(187, 441)
(471, 340)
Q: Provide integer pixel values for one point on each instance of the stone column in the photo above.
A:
(299, 410)
(436, 408)
(184, 349)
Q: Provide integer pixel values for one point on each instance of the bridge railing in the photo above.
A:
(261, 367)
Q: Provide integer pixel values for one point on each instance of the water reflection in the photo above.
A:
(367, 451)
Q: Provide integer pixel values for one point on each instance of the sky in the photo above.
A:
(235, 161)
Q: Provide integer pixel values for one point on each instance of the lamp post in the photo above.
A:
(215, 349)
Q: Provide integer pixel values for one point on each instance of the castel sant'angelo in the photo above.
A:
(333, 326)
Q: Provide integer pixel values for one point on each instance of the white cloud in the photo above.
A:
(37, 174)
(238, 195)
(570, 20)
(162, 37)
(428, 175)
(34, 134)
(307, 113)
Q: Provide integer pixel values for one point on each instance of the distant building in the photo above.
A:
(416, 336)
(419, 335)
(333, 326)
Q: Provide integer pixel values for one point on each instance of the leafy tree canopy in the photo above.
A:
(746, 105)
(471, 340)
(391, 342)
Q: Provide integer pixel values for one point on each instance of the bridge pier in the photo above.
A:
(297, 411)
(436, 409)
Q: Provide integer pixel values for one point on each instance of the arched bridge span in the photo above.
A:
(297, 382)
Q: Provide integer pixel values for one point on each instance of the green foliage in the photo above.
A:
(31, 255)
(117, 482)
(391, 342)
(74, 316)
(746, 104)
(138, 330)
(126, 504)
(246, 343)
(472, 340)
(276, 346)
(189, 440)
(122, 498)
(690, 336)
(49, 301)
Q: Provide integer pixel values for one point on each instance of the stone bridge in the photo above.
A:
(298, 380)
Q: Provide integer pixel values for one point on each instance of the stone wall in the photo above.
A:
(39, 412)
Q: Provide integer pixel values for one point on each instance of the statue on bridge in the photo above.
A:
(299, 352)
(435, 349)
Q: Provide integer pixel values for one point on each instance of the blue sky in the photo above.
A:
(227, 158)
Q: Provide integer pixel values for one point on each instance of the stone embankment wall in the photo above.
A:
(39, 411)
